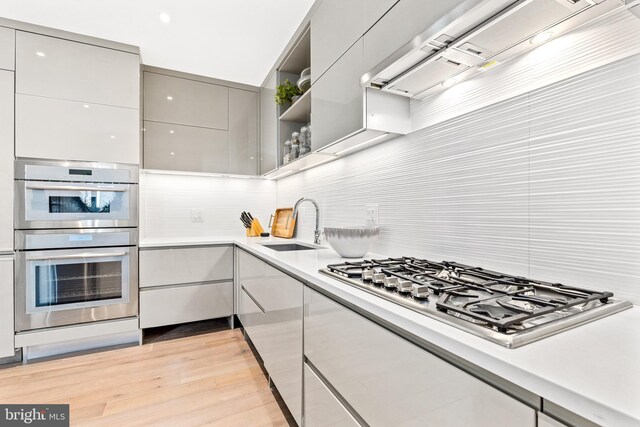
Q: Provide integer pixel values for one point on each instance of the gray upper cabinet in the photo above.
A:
(7, 48)
(404, 21)
(337, 99)
(268, 127)
(243, 132)
(335, 26)
(185, 148)
(373, 10)
(182, 101)
(62, 69)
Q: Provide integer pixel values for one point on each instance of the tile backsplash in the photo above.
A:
(168, 201)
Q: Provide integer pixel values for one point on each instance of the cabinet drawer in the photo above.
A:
(6, 307)
(7, 48)
(253, 321)
(546, 421)
(187, 102)
(62, 69)
(417, 388)
(6, 160)
(322, 408)
(160, 267)
(180, 304)
(185, 148)
(48, 128)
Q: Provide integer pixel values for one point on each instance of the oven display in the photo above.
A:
(58, 284)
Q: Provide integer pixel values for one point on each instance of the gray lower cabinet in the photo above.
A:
(6, 160)
(335, 26)
(337, 99)
(7, 345)
(404, 21)
(268, 127)
(270, 309)
(390, 381)
(185, 284)
(321, 407)
(7, 48)
(184, 101)
(243, 132)
(63, 69)
(185, 148)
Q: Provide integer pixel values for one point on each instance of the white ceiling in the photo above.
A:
(236, 40)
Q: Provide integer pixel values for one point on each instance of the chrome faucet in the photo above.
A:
(316, 234)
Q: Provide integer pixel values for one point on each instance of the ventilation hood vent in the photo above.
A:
(475, 36)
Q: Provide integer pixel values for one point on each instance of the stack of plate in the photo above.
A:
(304, 82)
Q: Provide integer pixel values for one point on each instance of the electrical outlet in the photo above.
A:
(372, 214)
(196, 215)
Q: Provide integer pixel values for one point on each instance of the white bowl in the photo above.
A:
(351, 242)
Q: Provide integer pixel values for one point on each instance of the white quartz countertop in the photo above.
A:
(592, 370)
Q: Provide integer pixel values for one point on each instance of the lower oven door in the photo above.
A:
(70, 286)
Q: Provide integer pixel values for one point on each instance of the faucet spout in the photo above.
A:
(316, 239)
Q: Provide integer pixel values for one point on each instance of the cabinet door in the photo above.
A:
(185, 148)
(181, 101)
(279, 335)
(7, 48)
(49, 128)
(62, 69)
(337, 100)
(321, 407)
(374, 10)
(159, 267)
(268, 127)
(6, 307)
(243, 132)
(6, 161)
(405, 20)
(390, 381)
(335, 26)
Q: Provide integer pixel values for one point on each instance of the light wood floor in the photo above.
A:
(209, 379)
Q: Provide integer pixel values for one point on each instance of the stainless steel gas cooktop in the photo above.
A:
(509, 310)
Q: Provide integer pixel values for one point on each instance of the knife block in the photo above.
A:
(256, 229)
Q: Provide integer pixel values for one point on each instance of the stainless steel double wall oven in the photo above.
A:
(76, 242)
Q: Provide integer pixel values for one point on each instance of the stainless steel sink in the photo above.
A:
(283, 247)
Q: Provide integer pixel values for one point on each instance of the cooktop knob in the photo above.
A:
(391, 282)
(420, 291)
(405, 285)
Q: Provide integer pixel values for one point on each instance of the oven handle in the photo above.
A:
(75, 188)
(71, 256)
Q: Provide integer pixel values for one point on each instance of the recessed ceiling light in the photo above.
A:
(170, 98)
(40, 54)
(85, 105)
(171, 131)
(173, 154)
(450, 82)
(165, 17)
(112, 137)
(541, 37)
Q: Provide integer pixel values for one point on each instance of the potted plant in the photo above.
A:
(286, 92)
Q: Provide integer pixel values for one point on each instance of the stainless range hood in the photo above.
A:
(475, 36)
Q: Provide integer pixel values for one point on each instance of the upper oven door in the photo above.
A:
(49, 204)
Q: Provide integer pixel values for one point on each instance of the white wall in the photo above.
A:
(545, 183)
(166, 202)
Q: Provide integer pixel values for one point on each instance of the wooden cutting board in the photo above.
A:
(283, 223)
